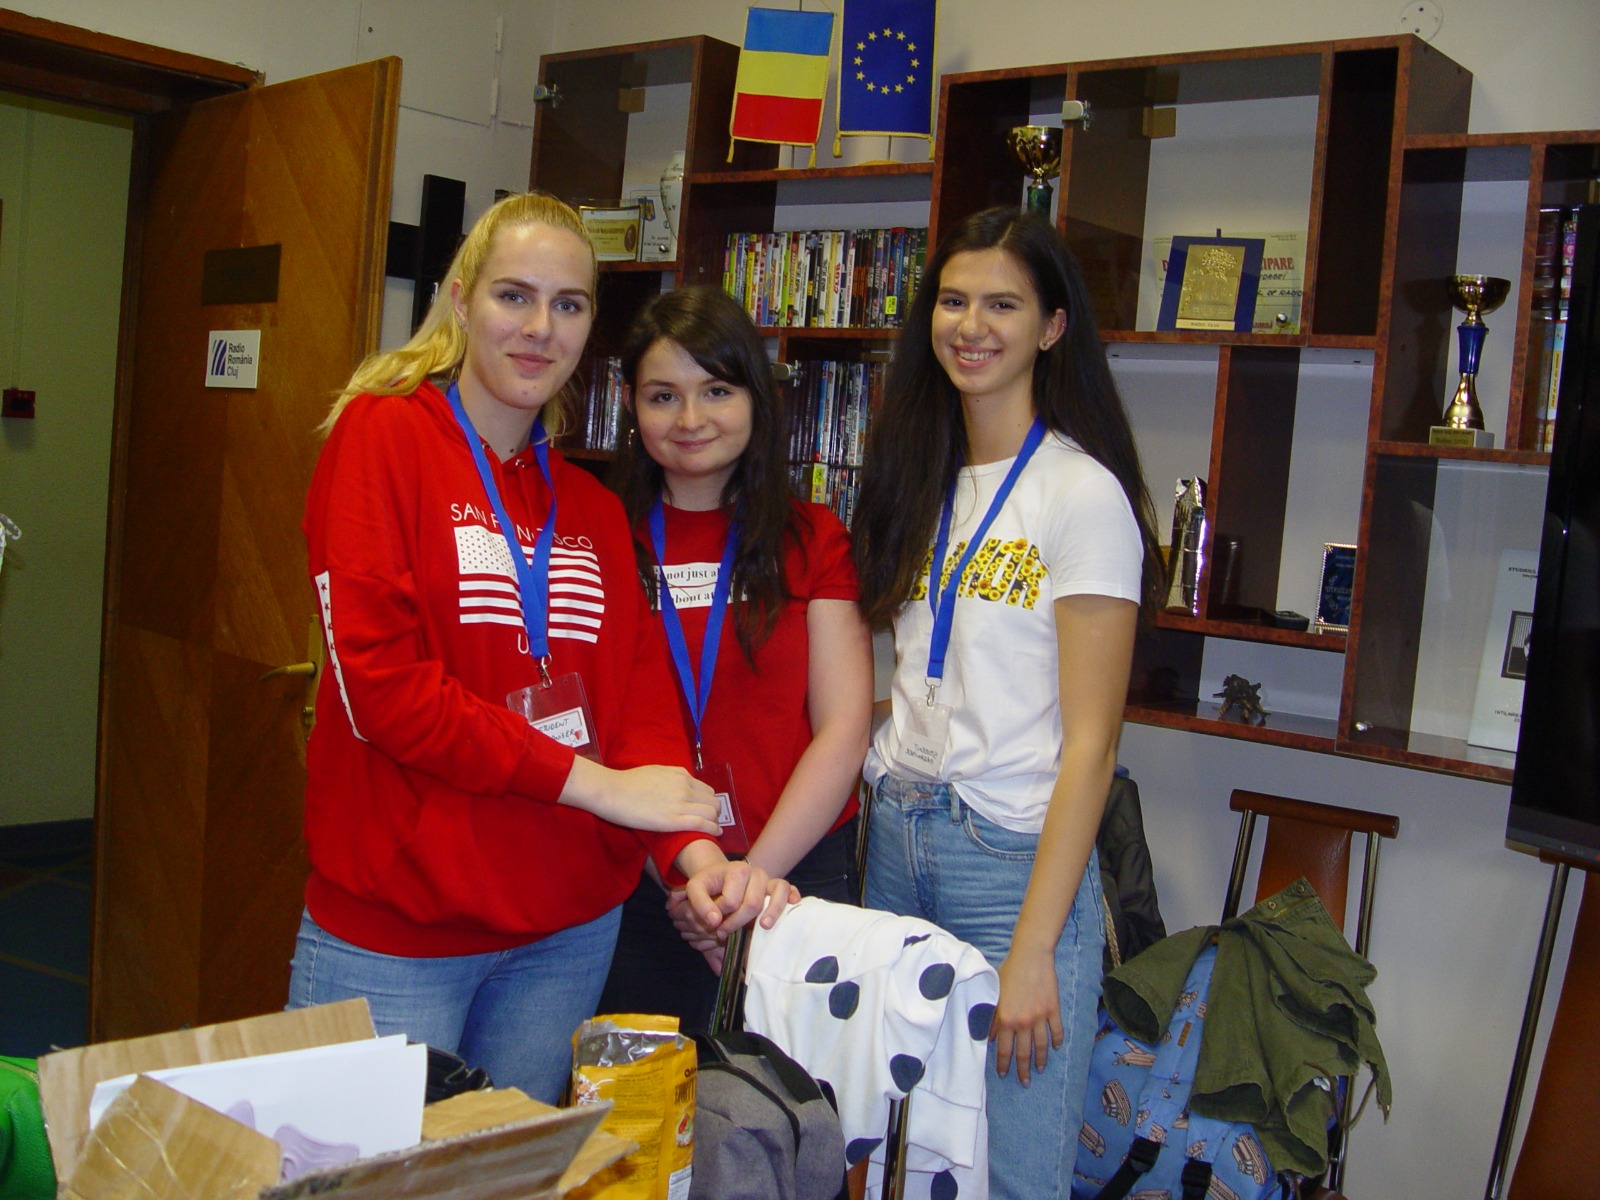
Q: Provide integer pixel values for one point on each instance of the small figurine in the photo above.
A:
(1238, 692)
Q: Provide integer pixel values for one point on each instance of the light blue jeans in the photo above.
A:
(511, 1012)
(929, 855)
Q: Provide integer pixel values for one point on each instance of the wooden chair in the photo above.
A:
(1313, 840)
(1560, 1155)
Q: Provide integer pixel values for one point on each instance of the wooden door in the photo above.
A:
(200, 861)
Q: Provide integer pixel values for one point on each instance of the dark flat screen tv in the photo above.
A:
(1555, 788)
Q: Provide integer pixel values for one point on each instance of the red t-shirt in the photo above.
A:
(431, 816)
(756, 719)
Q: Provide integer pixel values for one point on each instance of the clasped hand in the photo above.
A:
(722, 898)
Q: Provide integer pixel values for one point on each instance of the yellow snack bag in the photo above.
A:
(640, 1063)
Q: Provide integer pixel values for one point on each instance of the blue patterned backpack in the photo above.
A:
(1138, 1134)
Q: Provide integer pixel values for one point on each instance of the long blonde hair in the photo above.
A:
(439, 344)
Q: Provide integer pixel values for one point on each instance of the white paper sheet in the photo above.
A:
(324, 1105)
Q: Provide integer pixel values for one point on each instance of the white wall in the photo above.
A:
(1458, 913)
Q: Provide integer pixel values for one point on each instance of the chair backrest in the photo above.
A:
(1313, 840)
(1560, 1155)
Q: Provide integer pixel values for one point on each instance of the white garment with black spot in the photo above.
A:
(873, 1003)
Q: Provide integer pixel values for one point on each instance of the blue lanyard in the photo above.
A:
(533, 580)
(942, 600)
(695, 696)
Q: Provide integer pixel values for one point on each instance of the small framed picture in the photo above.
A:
(1211, 284)
(1514, 662)
(1335, 587)
(614, 230)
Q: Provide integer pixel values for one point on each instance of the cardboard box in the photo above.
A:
(154, 1141)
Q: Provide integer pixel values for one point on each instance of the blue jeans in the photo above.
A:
(929, 855)
(511, 1012)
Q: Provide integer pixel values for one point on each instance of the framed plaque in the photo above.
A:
(1211, 284)
(1335, 587)
(614, 230)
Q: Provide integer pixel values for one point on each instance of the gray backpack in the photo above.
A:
(763, 1127)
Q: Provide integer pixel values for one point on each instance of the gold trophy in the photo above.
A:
(1474, 295)
(1038, 148)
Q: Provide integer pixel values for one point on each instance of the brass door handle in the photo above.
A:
(308, 669)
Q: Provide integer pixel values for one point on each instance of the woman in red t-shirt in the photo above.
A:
(783, 706)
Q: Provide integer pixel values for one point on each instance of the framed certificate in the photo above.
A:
(614, 230)
(1211, 284)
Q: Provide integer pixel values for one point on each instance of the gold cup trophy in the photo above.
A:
(1474, 295)
(1038, 148)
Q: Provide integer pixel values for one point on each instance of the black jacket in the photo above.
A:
(1126, 875)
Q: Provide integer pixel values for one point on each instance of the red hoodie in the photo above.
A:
(431, 814)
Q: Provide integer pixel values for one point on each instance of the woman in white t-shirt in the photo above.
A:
(1002, 465)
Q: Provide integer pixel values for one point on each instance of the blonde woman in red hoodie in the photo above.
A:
(468, 860)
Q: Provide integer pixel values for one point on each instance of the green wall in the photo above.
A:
(64, 192)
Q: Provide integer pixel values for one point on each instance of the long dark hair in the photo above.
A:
(919, 440)
(713, 330)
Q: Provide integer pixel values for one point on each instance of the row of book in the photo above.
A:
(825, 278)
(602, 404)
(1554, 247)
(833, 403)
(837, 487)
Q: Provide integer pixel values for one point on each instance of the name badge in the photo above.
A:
(925, 739)
(559, 710)
(735, 838)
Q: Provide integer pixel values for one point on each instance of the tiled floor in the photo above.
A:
(45, 879)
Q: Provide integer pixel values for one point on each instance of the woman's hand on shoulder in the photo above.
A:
(1027, 1021)
(657, 799)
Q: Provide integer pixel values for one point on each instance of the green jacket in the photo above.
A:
(1287, 1011)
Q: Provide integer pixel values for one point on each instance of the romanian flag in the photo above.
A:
(783, 77)
(886, 73)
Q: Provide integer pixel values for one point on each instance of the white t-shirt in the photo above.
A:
(1067, 529)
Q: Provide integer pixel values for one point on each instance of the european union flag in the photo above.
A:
(886, 69)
